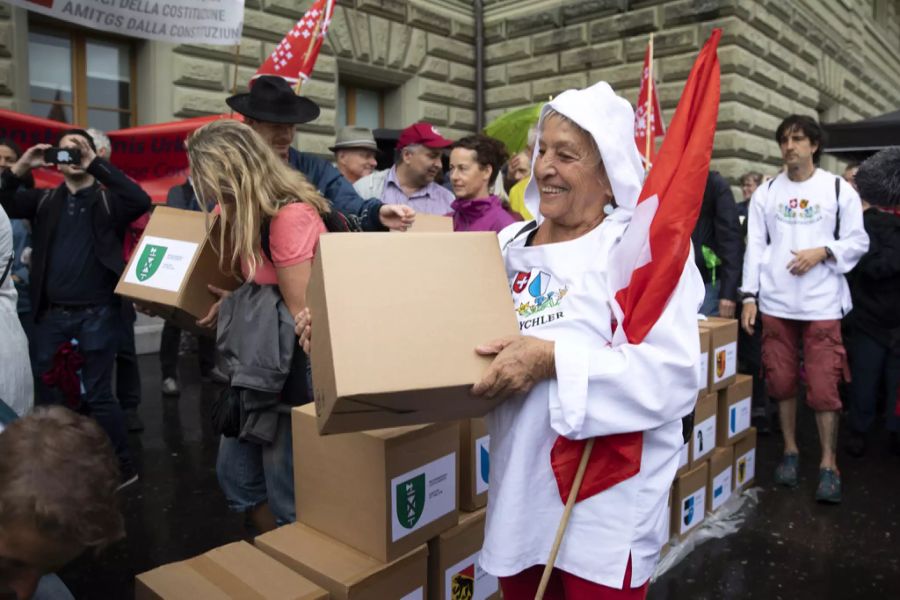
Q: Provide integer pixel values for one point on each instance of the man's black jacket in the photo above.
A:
(126, 202)
(718, 228)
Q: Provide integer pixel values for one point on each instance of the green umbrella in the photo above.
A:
(512, 128)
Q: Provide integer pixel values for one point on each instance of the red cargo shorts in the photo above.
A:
(825, 360)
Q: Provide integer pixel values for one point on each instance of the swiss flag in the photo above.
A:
(649, 260)
(294, 58)
(644, 121)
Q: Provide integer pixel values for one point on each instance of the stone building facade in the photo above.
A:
(836, 59)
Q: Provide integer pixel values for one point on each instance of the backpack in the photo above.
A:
(334, 221)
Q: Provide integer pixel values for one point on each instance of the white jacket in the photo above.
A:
(787, 215)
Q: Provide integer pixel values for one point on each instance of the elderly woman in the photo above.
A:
(563, 377)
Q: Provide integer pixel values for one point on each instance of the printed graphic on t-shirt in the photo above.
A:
(537, 298)
(798, 211)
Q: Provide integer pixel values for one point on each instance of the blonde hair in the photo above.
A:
(233, 165)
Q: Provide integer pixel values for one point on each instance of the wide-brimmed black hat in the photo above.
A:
(271, 99)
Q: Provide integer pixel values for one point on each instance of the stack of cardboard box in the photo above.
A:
(719, 458)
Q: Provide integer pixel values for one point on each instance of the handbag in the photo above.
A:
(225, 413)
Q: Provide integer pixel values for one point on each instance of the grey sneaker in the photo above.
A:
(170, 387)
(829, 490)
(786, 472)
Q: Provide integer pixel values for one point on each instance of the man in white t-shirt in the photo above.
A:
(805, 233)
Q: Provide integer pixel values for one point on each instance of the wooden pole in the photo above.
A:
(237, 58)
(649, 111)
(564, 521)
(309, 50)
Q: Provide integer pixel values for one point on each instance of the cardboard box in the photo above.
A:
(745, 460)
(397, 319)
(734, 410)
(382, 492)
(684, 460)
(474, 464)
(723, 351)
(432, 224)
(234, 571)
(689, 502)
(173, 264)
(453, 569)
(703, 437)
(346, 573)
(703, 365)
(721, 467)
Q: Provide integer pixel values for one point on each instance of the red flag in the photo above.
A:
(294, 58)
(652, 256)
(641, 117)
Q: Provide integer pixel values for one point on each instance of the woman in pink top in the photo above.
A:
(233, 166)
(475, 163)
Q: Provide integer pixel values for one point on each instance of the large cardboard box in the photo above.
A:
(234, 571)
(453, 569)
(432, 224)
(474, 464)
(703, 437)
(346, 573)
(723, 351)
(703, 365)
(734, 410)
(720, 483)
(383, 492)
(745, 460)
(689, 502)
(172, 266)
(397, 319)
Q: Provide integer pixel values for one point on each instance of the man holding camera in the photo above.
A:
(76, 263)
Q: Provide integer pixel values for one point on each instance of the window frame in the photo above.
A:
(350, 90)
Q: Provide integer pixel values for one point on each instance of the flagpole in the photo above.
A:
(237, 58)
(564, 521)
(649, 111)
(312, 45)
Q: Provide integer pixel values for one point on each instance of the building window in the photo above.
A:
(360, 106)
(81, 78)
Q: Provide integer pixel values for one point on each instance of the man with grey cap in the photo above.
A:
(354, 152)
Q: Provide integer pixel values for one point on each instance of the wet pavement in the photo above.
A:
(790, 547)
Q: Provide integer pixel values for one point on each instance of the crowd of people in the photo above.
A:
(807, 260)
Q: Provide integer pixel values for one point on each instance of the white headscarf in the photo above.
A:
(609, 119)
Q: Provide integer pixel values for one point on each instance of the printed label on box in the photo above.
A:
(738, 417)
(721, 490)
(692, 510)
(704, 437)
(418, 594)
(703, 370)
(422, 496)
(726, 362)
(161, 263)
(683, 456)
(482, 464)
(466, 580)
(746, 468)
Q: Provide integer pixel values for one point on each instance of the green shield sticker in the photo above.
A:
(149, 261)
(411, 501)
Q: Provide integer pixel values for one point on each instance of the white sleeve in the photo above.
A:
(756, 240)
(853, 241)
(632, 387)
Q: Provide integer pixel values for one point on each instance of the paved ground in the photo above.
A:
(789, 548)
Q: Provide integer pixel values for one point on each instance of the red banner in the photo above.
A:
(645, 119)
(152, 155)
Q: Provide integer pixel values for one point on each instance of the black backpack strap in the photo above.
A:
(528, 227)
(6, 270)
(264, 242)
(44, 197)
(837, 214)
(104, 197)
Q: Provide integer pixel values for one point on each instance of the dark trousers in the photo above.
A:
(128, 376)
(750, 363)
(168, 352)
(875, 371)
(97, 331)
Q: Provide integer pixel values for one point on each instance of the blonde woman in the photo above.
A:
(233, 167)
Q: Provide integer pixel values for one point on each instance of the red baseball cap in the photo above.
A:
(422, 133)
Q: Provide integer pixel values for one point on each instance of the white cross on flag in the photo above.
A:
(294, 58)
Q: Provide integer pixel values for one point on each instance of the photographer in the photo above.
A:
(76, 261)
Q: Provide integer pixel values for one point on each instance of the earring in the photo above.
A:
(608, 209)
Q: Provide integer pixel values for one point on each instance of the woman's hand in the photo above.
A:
(520, 363)
(212, 317)
(396, 216)
(303, 328)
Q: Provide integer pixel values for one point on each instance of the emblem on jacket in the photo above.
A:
(799, 211)
(540, 296)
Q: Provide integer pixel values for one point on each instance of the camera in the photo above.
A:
(62, 156)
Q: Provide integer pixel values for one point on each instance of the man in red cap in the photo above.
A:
(410, 181)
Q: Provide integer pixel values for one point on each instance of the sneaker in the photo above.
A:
(829, 490)
(856, 445)
(170, 387)
(129, 477)
(786, 473)
(133, 420)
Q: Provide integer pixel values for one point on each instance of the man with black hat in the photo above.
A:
(354, 152)
(76, 262)
(411, 181)
(273, 110)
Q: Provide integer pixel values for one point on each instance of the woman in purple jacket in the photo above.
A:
(475, 163)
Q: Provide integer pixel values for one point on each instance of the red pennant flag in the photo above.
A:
(651, 259)
(294, 58)
(644, 120)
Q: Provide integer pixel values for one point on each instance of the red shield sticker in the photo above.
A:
(521, 282)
